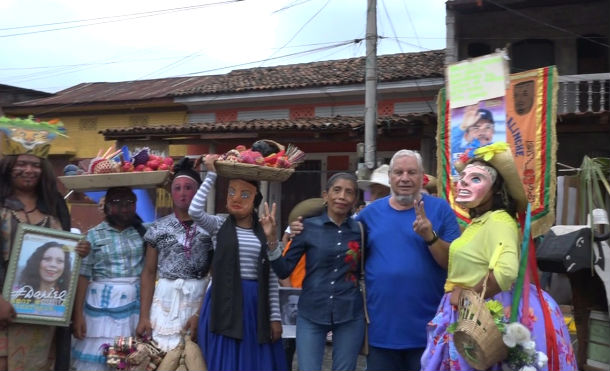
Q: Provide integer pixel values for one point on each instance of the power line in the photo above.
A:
(109, 19)
(295, 3)
(279, 57)
(112, 90)
(557, 28)
(301, 29)
(404, 3)
(419, 90)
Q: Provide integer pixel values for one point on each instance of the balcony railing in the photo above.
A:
(584, 93)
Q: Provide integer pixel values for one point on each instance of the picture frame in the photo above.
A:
(42, 275)
(289, 300)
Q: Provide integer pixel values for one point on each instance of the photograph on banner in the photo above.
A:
(41, 276)
(289, 303)
(528, 126)
(476, 89)
(477, 125)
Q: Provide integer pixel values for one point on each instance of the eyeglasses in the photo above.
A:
(244, 194)
(121, 203)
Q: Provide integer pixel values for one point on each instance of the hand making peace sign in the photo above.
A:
(422, 225)
(267, 220)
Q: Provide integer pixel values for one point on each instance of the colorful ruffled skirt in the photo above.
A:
(223, 353)
(442, 355)
(112, 308)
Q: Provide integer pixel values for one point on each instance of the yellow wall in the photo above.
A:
(85, 141)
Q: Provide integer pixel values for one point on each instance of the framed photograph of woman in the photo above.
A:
(42, 274)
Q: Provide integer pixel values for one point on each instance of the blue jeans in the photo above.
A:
(381, 359)
(311, 339)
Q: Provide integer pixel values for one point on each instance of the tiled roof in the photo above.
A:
(393, 67)
(312, 124)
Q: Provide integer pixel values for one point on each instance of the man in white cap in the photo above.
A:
(378, 185)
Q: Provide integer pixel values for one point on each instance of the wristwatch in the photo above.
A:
(434, 239)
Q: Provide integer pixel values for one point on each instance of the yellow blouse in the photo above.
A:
(490, 242)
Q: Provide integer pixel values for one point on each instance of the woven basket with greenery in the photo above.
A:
(477, 337)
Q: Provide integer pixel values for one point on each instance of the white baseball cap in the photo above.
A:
(378, 176)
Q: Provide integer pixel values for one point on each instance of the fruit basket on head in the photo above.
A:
(266, 160)
(118, 168)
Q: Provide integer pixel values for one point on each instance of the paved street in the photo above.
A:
(327, 362)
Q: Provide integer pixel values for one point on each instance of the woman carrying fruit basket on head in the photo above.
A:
(239, 325)
(180, 252)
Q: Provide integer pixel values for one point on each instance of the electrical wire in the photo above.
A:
(109, 19)
(111, 91)
(301, 29)
(557, 28)
(419, 89)
(295, 3)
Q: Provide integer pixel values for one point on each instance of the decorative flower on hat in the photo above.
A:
(486, 153)
(489, 151)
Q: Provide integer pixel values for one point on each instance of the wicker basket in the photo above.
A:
(477, 337)
(238, 170)
(98, 182)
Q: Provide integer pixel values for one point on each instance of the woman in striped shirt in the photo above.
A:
(239, 326)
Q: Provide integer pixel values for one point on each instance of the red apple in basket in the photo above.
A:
(127, 167)
(148, 169)
(168, 161)
(153, 164)
(140, 167)
(163, 166)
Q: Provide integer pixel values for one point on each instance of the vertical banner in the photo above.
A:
(529, 129)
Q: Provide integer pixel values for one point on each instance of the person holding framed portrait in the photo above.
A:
(29, 195)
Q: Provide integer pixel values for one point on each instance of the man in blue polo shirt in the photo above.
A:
(408, 236)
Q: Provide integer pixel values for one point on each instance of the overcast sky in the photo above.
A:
(121, 40)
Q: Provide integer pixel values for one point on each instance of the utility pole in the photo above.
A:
(370, 94)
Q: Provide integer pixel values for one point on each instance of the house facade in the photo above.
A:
(317, 106)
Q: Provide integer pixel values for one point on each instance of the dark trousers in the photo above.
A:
(382, 359)
(63, 338)
(290, 346)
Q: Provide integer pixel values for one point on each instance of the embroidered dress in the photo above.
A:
(489, 242)
(28, 347)
(112, 303)
(183, 261)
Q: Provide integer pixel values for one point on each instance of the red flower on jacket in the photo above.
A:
(353, 254)
(352, 257)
